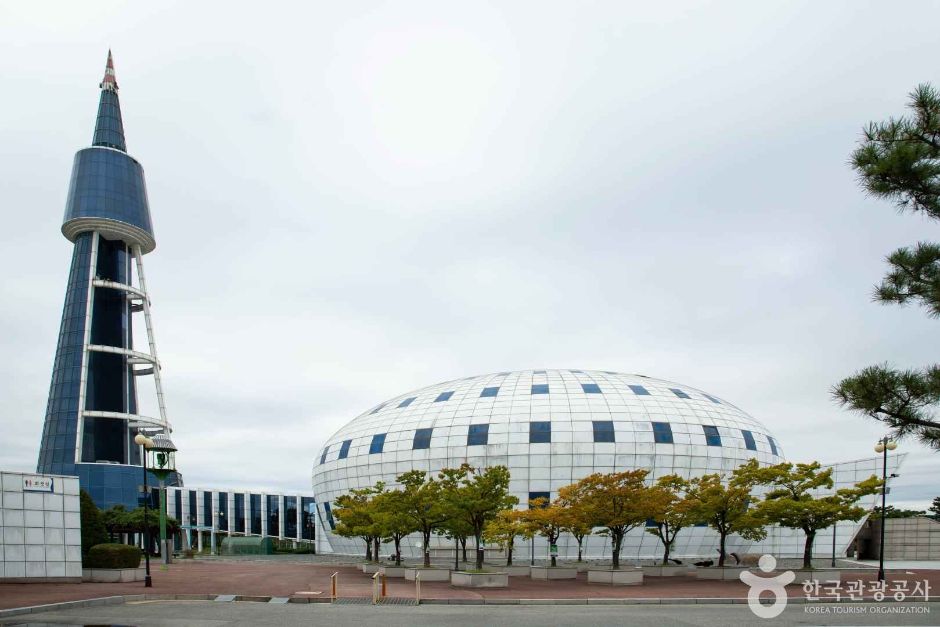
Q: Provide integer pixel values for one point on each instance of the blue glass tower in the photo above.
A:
(92, 413)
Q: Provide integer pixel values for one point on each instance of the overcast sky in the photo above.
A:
(352, 200)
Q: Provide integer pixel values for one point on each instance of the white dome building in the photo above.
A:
(550, 428)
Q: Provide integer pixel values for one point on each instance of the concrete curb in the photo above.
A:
(136, 598)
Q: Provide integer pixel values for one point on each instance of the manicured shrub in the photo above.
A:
(113, 556)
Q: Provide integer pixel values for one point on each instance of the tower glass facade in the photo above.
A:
(92, 414)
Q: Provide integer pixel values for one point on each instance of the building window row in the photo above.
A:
(544, 388)
(540, 432)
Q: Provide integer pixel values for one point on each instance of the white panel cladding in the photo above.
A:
(576, 399)
(40, 532)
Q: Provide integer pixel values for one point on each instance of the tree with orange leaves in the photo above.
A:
(617, 501)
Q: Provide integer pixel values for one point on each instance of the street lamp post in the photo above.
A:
(884, 445)
(145, 443)
(163, 454)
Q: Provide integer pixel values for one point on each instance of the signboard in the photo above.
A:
(37, 483)
(553, 549)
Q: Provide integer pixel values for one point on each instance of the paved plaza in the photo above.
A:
(309, 581)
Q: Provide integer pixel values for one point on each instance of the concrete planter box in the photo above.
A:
(393, 572)
(553, 572)
(668, 571)
(821, 575)
(515, 571)
(428, 574)
(370, 569)
(726, 573)
(113, 575)
(463, 579)
(622, 577)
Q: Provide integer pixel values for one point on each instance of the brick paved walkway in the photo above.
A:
(286, 579)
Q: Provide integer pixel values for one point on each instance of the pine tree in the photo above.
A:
(899, 160)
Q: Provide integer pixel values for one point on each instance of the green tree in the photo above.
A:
(616, 501)
(93, 529)
(725, 506)
(892, 512)
(674, 508)
(899, 160)
(355, 517)
(425, 505)
(935, 508)
(391, 518)
(477, 496)
(503, 530)
(791, 500)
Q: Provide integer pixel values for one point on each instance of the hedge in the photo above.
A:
(113, 556)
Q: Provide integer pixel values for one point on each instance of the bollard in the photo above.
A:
(417, 588)
(384, 588)
(375, 588)
(333, 586)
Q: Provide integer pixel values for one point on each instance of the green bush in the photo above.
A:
(113, 556)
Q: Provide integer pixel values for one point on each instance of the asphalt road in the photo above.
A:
(214, 614)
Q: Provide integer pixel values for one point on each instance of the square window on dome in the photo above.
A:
(378, 443)
(422, 438)
(662, 433)
(540, 388)
(712, 437)
(407, 401)
(639, 390)
(323, 456)
(477, 435)
(443, 396)
(543, 498)
(773, 445)
(603, 431)
(749, 442)
(591, 388)
(540, 432)
(344, 449)
(489, 392)
(679, 393)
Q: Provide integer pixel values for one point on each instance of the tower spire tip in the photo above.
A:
(109, 82)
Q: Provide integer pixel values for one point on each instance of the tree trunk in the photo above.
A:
(427, 549)
(616, 540)
(375, 549)
(463, 548)
(721, 548)
(397, 551)
(808, 550)
(368, 549)
(479, 552)
(509, 552)
(456, 555)
(580, 541)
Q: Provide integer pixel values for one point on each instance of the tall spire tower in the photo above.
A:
(92, 414)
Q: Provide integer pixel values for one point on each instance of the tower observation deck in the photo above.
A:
(92, 413)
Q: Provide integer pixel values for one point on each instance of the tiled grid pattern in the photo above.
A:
(631, 402)
(40, 533)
